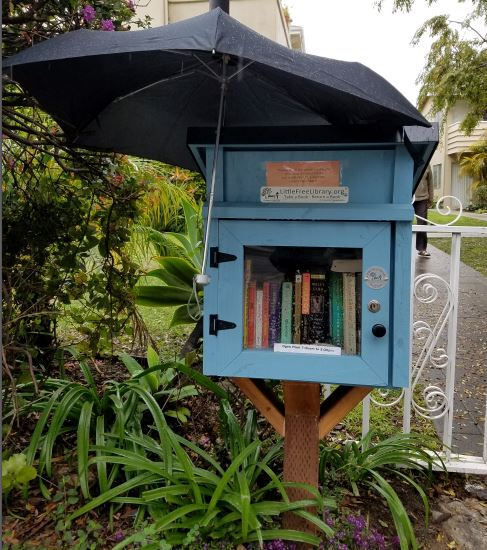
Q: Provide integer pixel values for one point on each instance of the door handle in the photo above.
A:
(379, 331)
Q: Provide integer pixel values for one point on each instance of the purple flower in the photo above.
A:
(107, 25)
(131, 4)
(395, 541)
(88, 13)
(358, 522)
(118, 536)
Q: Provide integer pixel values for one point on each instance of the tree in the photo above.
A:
(67, 212)
(473, 162)
(456, 67)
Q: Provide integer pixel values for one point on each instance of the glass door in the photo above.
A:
(306, 299)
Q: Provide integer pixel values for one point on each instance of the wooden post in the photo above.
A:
(301, 444)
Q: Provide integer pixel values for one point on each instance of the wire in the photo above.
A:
(199, 312)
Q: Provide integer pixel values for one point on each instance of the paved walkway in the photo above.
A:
(472, 215)
(471, 362)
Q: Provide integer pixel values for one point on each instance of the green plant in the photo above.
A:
(365, 463)
(16, 473)
(179, 257)
(122, 408)
(187, 501)
(473, 163)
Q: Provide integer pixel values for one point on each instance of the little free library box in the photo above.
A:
(310, 252)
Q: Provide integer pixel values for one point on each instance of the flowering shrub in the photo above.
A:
(353, 533)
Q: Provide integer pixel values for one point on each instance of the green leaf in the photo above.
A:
(175, 271)
(168, 519)
(181, 316)
(142, 479)
(198, 378)
(161, 296)
(83, 443)
(236, 463)
(101, 467)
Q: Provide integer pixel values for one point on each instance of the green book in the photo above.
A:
(336, 308)
(287, 313)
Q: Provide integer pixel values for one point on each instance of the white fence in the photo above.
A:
(434, 321)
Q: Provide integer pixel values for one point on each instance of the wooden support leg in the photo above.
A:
(301, 444)
(336, 407)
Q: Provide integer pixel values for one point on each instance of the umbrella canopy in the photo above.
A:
(138, 92)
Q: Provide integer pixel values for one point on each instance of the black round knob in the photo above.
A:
(379, 331)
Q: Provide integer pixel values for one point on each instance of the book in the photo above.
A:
(258, 318)
(274, 313)
(286, 312)
(305, 293)
(346, 265)
(349, 314)
(247, 275)
(336, 309)
(317, 318)
(265, 314)
(358, 291)
(297, 308)
(251, 315)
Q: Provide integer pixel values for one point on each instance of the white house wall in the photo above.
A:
(264, 16)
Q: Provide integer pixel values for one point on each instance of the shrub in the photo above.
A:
(366, 463)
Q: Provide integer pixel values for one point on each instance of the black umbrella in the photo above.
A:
(138, 92)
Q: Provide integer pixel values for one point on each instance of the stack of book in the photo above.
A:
(305, 309)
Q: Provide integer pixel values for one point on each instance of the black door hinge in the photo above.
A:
(217, 324)
(217, 257)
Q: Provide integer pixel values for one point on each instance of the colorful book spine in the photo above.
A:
(251, 315)
(274, 313)
(349, 314)
(286, 313)
(265, 313)
(336, 309)
(258, 318)
(358, 289)
(298, 282)
(317, 315)
(247, 276)
(305, 293)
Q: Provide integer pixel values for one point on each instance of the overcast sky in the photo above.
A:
(353, 30)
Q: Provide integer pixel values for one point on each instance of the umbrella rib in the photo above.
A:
(240, 70)
(152, 84)
(208, 67)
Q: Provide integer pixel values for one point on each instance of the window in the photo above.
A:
(436, 176)
(308, 297)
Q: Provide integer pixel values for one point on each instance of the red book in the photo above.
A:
(251, 315)
(306, 294)
(265, 314)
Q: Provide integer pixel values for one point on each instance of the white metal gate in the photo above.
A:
(434, 350)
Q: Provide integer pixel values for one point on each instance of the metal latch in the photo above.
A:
(217, 257)
(218, 324)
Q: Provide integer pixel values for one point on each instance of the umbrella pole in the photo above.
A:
(202, 278)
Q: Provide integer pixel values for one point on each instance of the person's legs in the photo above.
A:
(421, 209)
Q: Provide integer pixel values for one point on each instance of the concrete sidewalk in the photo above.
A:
(471, 358)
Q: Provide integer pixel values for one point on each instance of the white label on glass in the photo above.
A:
(304, 194)
(376, 277)
(308, 348)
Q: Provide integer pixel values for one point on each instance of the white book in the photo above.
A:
(259, 298)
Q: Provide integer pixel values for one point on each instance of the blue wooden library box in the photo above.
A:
(310, 252)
